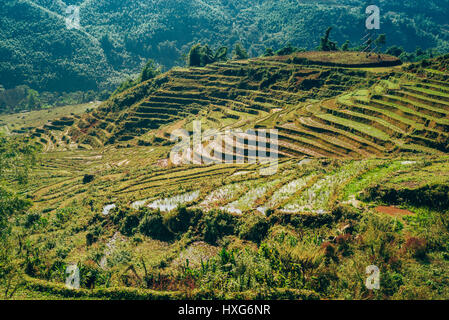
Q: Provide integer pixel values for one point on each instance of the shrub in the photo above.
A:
(329, 251)
(343, 241)
(31, 219)
(218, 224)
(390, 282)
(88, 178)
(90, 275)
(254, 229)
(90, 238)
(345, 212)
(129, 224)
(311, 220)
(152, 226)
(179, 220)
(269, 212)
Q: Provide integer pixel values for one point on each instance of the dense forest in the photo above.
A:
(117, 37)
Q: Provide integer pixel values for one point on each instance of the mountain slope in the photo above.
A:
(125, 33)
(129, 217)
(232, 94)
(321, 109)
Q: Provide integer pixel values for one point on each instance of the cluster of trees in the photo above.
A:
(149, 71)
(200, 55)
(96, 57)
(23, 98)
(377, 44)
(415, 56)
(17, 156)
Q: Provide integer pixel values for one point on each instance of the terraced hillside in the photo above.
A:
(235, 94)
(403, 113)
(362, 180)
(104, 224)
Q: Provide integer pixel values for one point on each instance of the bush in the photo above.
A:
(88, 178)
(345, 212)
(129, 224)
(31, 219)
(90, 238)
(180, 220)
(152, 226)
(390, 282)
(254, 229)
(343, 241)
(91, 276)
(218, 224)
(329, 251)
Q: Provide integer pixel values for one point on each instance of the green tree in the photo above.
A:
(288, 49)
(199, 55)
(150, 71)
(326, 44)
(395, 51)
(239, 52)
(194, 56)
(32, 100)
(345, 46)
(268, 52)
(221, 54)
(381, 40)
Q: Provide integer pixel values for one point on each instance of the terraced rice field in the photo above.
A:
(368, 123)
(234, 94)
(306, 187)
(106, 188)
(319, 111)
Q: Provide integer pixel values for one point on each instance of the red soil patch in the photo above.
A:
(393, 211)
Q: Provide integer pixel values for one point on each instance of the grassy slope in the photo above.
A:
(60, 190)
(23, 121)
(69, 210)
(235, 94)
(390, 115)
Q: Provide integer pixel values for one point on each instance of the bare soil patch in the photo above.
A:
(393, 211)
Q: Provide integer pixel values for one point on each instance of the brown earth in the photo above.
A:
(393, 211)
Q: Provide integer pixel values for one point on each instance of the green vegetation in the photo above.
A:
(326, 44)
(54, 58)
(192, 252)
(362, 176)
(199, 55)
(16, 158)
(233, 93)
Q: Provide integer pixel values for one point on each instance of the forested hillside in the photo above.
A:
(118, 36)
